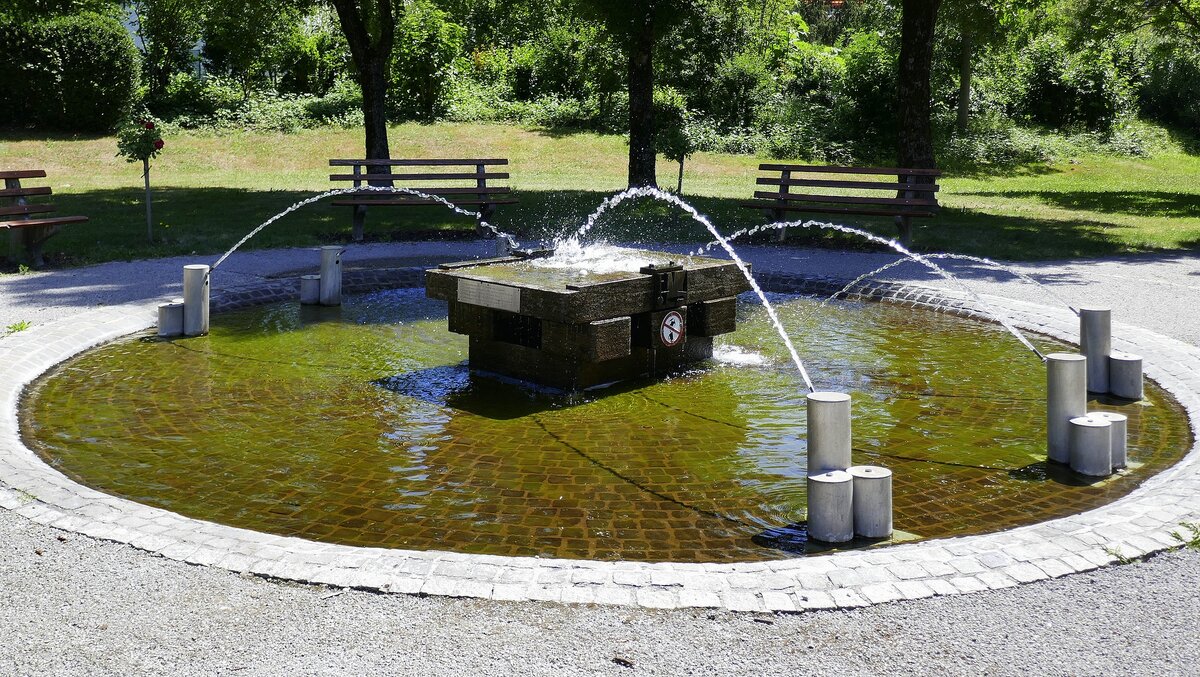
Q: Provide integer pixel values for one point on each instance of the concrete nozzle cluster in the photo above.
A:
(1093, 444)
(324, 289)
(843, 500)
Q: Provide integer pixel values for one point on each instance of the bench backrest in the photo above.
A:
(16, 197)
(909, 189)
(465, 178)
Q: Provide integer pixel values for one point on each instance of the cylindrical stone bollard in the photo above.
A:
(1066, 398)
(1125, 375)
(195, 299)
(828, 432)
(872, 501)
(1119, 436)
(1095, 342)
(310, 290)
(331, 275)
(170, 319)
(1091, 446)
(831, 507)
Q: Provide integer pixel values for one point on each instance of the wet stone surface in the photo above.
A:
(360, 426)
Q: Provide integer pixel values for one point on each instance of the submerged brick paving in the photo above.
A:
(1135, 525)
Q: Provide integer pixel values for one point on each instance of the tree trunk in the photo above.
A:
(149, 213)
(369, 27)
(916, 56)
(964, 84)
(679, 186)
(642, 155)
(374, 106)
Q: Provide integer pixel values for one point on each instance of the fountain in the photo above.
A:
(381, 421)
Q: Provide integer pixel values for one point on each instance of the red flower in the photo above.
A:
(158, 144)
(149, 125)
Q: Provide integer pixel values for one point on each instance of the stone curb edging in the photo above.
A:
(1135, 525)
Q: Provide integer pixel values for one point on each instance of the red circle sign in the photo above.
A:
(671, 330)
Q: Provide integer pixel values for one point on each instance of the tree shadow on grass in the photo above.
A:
(209, 220)
(1137, 203)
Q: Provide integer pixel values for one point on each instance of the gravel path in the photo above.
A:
(73, 605)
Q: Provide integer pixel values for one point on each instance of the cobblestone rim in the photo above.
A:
(1138, 524)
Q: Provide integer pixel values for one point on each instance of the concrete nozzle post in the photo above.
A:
(195, 299)
(1125, 375)
(331, 275)
(828, 432)
(1066, 398)
(1095, 342)
(831, 507)
(1091, 446)
(872, 501)
(1120, 434)
(310, 290)
(170, 319)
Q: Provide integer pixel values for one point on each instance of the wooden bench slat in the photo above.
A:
(418, 162)
(499, 190)
(830, 183)
(23, 174)
(417, 201)
(829, 209)
(26, 209)
(818, 169)
(847, 199)
(25, 192)
(418, 177)
(58, 220)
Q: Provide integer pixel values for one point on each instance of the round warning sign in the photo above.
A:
(671, 331)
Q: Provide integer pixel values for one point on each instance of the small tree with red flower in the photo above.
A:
(141, 141)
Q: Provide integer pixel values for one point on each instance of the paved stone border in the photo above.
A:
(1135, 525)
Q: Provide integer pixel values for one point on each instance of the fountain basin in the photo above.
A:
(706, 466)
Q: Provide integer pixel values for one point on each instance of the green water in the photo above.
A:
(360, 425)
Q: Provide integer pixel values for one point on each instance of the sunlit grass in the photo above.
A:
(212, 188)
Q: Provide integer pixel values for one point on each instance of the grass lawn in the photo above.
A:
(212, 189)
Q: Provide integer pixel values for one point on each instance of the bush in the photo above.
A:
(866, 113)
(74, 73)
(312, 56)
(1171, 90)
(742, 86)
(427, 45)
(189, 98)
(1064, 88)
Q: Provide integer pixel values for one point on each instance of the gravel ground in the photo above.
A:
(73, 605)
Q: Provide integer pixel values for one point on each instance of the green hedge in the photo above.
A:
(72, 73)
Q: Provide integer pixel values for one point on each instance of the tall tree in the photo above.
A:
(916, 57)
(636, 25)
(169, 30)
(977, 24)
(370, 29)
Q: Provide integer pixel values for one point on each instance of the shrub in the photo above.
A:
(427, 44)
(75, 73)
(1064, 88)
(1171, 90)
(866, 113)
(741, 87)
(312, 56)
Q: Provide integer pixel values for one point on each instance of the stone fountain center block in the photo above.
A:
(573, 329)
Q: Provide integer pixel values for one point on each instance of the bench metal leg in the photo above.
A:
(360, 217)
(25, 244)
(904, 226)
(485, 214)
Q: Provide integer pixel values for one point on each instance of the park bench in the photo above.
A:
(24, 219)
(463, 183)
(910, 194)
